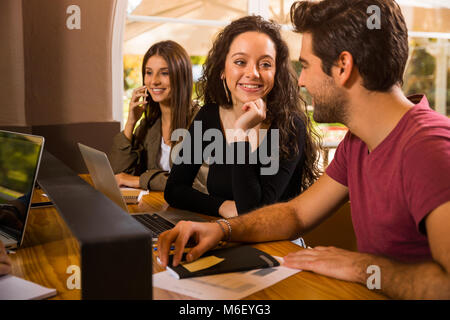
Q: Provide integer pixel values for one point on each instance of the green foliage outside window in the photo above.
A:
(18, 159)
(420, 76)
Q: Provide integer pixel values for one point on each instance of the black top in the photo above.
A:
(242, 183)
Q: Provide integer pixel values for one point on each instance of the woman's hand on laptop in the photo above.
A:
(5, 262)
(127, 180)
(206, 235)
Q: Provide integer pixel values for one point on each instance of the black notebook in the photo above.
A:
(233, 259)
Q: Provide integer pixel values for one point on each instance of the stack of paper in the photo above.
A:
(13, 288)
(226, 286)
(132, 195)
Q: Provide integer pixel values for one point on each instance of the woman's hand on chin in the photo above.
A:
(254, 114)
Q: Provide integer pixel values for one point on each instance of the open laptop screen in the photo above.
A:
(20, 156)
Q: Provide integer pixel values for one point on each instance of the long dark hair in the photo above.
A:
(283, 101)
(181, 83)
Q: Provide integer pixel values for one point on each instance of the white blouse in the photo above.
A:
(164, 156)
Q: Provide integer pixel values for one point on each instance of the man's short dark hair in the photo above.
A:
(336, 26)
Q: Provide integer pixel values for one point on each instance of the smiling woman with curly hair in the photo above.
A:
(248, 83)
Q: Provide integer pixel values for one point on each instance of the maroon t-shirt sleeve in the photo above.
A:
(337, 169)
(426, 172)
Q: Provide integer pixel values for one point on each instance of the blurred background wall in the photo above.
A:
(57, 82)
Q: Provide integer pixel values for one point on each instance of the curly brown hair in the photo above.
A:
(283, 101)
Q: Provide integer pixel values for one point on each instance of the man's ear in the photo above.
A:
(343, 68)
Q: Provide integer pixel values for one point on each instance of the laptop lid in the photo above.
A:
(102, 174)
(104, 181)
(20, 156)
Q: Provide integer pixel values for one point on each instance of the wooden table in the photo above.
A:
(49, 249)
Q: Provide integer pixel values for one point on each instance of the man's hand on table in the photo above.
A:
(206, 236)
(330, 261)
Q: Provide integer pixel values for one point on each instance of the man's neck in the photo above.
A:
(373, 115)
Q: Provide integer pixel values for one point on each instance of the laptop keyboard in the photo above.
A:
(7, 236)
(154, 222)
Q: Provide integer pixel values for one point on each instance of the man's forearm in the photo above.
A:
(274, 222)
(426, 280)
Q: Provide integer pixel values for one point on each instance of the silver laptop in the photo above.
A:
(20, 156)
(104, 181)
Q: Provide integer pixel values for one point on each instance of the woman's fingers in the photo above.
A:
(140, 89)
(118, 180)
(5, 262)
(258, 106)
(138, 93)
(4, 268)
(254, 113)
(137, 98)
(137, 104)
(261, 105)
(4, 259)
(251, 105)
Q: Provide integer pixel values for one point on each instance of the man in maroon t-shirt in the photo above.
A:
(394, 163)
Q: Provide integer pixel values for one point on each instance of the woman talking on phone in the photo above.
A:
(248, 85)
(140, 155)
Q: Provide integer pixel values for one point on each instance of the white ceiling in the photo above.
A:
(425, 3)
(197, 39)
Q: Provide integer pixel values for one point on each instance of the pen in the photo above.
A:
(185, 250)
(155, 248)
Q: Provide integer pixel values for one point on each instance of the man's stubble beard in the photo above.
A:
(330, 104)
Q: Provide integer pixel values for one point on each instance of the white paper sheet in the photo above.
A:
(14, 288)
(226, 286)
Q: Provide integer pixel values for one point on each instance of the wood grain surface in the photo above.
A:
(49, 249)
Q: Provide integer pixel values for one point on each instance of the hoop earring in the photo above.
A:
(226, 91)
